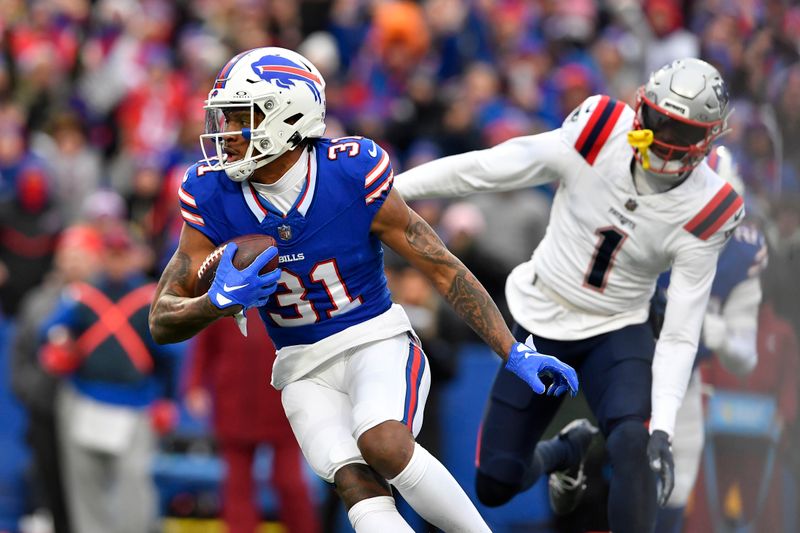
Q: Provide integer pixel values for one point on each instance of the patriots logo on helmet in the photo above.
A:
(721, 91)
(284, 73)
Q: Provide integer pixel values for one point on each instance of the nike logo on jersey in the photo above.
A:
(231, 288)
(738, 215)
(374, 150)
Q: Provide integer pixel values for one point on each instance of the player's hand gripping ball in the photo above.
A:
(243, 271)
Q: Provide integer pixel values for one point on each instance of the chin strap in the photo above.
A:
(641, 140)
(244, 169)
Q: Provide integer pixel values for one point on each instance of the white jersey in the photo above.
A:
(596, 268)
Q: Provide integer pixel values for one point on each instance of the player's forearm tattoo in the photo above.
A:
(465, 293)
(174, 317)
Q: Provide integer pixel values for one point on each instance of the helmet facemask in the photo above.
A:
(679, 144)
(267, 141)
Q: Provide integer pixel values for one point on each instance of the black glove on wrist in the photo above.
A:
(659, 456)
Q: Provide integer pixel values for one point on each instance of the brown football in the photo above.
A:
(249, 247)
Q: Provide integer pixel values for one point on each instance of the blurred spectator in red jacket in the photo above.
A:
(741, 461)
(29, 217)
(232, 373)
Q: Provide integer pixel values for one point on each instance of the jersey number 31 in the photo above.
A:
(325, 273)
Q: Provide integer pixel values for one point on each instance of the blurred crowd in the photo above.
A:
(101, 105)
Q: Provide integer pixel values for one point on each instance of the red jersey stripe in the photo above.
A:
(709, 207)
(587, 129)
(719, 209)
(728, 213)
(602, 137)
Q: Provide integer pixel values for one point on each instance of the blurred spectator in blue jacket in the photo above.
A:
(77, 258)
(110, 407)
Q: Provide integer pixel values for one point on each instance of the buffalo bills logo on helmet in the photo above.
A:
(284, 73)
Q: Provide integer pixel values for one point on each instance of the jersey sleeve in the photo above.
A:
(195, 196)
(590, 126)
(367, 167)
(64, 314)
(687, 297)
(378, 175)
(718, 218)
(693, 270)
(519, 162)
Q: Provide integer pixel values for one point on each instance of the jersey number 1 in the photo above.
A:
(609, 242)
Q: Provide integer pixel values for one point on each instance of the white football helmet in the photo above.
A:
(279, 84)
(685, 105)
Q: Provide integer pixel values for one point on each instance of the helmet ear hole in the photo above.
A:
(294, 118)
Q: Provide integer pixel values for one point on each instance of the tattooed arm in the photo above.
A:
(406, 233)
(176, 314)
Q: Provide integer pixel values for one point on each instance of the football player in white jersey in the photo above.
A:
(635, 198)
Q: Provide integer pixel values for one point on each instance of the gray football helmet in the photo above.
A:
(685, 105)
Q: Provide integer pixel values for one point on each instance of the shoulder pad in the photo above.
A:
(722, 212)
(367, 164)
(590, 125)
(199, 184)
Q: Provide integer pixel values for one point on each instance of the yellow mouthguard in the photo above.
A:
(641, 140)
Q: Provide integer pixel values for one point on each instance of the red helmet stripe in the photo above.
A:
(291, 70)
(222, 77)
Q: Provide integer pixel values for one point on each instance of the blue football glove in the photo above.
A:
(530, 366)
(659, 456)
(246, 287)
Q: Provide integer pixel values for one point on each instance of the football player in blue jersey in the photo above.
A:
(353, 376)
(730, 328)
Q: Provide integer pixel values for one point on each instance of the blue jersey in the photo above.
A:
(742, 257)
(332, 264)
